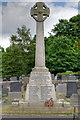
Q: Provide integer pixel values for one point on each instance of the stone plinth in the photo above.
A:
(40, 87)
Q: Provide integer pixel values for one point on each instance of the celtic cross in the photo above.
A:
(40, 12)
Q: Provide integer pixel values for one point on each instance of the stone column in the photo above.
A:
(40, 48)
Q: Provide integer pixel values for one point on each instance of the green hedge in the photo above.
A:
(68, 73)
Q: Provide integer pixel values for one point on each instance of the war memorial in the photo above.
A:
(40, 91)
(40, 87)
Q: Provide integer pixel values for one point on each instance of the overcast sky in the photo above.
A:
(15, 14)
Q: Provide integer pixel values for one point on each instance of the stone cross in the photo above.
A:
(40, 12)
(40, 87)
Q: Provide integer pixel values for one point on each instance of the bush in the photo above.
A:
(67, 73)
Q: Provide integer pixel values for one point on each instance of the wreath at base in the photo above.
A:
(49, 103)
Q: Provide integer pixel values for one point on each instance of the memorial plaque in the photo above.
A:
(46, 92)
(40, 92)
(71, 88)
(61, 88)
(34, 93)
(15, 87)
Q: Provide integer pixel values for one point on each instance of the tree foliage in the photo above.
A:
(60, 55)
(19, 57)
(69, 28)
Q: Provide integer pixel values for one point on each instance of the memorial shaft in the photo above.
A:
(40, 47)
(40, 12)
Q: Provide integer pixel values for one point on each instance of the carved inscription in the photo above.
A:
(46, 92)
(33, 93)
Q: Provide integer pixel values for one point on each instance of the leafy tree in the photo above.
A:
(70, 29)
(1, 52)
(1, 49)
(20, 55)
(76, 45)
(60, 55)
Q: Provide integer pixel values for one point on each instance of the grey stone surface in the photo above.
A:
(64, 78)
(75, 99)
(24, 82)
(40, 11)
(13, 78)
(15, 87)
(71, 89)
(61, 88)
(40, 92)
(6, 84)
(40, 88)
(68, 77)
(40, 48)
(78, 88)
(52, 76)
(67, 89)
(14, 95)
(71, 78)
(32, 116)
(40, 78)
(5, 92)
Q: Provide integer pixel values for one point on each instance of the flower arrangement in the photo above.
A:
(49, 103)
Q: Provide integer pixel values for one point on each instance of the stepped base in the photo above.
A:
(40, 87)
(40, 106)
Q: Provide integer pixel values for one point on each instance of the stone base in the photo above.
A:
(40, 92)
(58, 106)
(40, 87)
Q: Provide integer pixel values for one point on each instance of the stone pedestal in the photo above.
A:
(40, 87)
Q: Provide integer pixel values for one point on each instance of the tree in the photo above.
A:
(60, 55)
(70, 29)
(76, 46)
(1, 52)
(20, 55)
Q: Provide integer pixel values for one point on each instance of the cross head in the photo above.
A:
(40, 12)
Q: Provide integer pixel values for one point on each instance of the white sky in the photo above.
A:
(15, 14)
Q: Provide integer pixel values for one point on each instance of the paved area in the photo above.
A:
(37, 116)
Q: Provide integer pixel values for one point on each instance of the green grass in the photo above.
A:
(6, 100)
